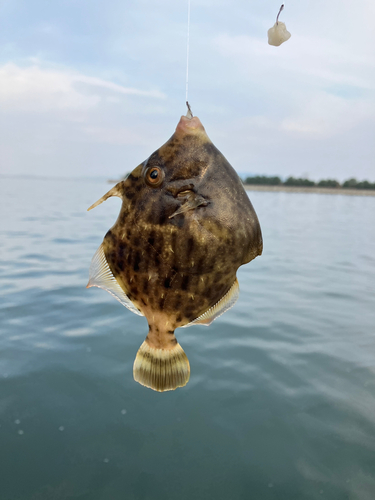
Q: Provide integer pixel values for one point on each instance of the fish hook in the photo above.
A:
(189, 113)
(277, 18)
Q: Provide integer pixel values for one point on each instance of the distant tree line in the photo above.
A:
(352, 183)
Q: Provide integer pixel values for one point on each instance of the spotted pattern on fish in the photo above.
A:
(181, 250)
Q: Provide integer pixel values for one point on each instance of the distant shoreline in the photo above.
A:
(319, 190)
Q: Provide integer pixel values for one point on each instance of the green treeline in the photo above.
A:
(352, 183)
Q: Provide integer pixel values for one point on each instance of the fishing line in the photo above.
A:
(187, 61)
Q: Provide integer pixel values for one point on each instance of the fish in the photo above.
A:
(185, 226)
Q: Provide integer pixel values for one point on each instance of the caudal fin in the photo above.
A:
(161, 369)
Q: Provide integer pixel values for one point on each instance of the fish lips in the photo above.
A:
(181, 191)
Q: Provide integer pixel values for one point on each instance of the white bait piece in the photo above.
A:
(278, 34)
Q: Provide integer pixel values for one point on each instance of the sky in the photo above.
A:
(93, 87)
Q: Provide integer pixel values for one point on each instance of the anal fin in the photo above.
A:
(100, 275)
(225, 303)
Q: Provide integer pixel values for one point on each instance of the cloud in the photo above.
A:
(313, 60)
(34, 88)
(325, 114)
(307, 106)
(114, 135)
(66, 120)
(119, 88)
(316, 87)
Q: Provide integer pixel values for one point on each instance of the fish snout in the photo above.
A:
(189, 126)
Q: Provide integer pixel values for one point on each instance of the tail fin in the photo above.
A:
(161, 369)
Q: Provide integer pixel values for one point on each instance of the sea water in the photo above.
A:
(281, 399)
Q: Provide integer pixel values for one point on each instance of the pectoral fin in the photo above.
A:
(102, 277)
(225, 303)
(193, 201)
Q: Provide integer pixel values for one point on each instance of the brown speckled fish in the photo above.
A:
(185, 226)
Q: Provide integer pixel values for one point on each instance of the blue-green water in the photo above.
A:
(281, 399)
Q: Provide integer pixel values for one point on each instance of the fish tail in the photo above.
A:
(161, 369)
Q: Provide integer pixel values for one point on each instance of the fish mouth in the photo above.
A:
(182, 191)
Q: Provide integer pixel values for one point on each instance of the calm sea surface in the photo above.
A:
(281, 399)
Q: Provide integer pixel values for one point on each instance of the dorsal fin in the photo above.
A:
(225, 303)
(102, 277)
(115, 191)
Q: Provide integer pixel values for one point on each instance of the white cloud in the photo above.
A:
(34, 88)
(314, 60)
(115, 135)
(97, 82)
(66, 120)
(307, 106)
(324, 115)
(316, 87)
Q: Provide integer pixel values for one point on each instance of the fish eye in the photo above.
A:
(154, 176)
